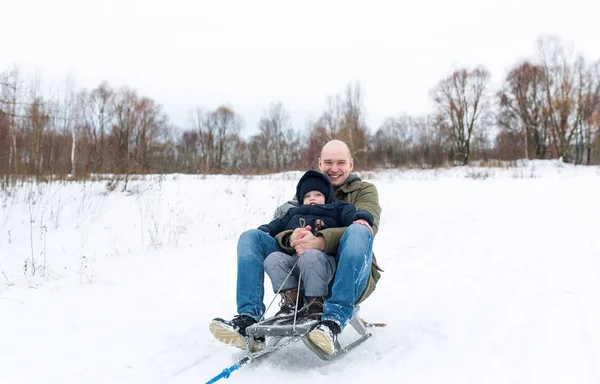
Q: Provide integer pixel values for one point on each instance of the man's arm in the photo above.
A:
(284, 208)
(348, 214)
(368, 200)
(283, 239)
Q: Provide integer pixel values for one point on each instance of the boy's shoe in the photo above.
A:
(314, 306)
(288, 303)
(233, 332)
(324, 336)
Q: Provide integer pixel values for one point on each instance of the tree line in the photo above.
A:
(546, 108)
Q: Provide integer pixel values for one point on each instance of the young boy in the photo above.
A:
(319, 210)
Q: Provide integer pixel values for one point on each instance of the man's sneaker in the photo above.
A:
(314, 306)
(324, 336)
(233, 332)
(288, 302)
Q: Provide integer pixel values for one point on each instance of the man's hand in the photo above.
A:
(299, 233)
(365, 223)
(303, 240)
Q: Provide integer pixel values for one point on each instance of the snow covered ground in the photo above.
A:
(492, 276)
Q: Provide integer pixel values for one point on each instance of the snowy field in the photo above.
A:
(492, 275)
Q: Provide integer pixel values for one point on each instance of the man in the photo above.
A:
(357, 271)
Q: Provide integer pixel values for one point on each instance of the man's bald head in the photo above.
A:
(336, 146)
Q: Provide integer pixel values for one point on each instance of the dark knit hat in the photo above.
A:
(314, 181)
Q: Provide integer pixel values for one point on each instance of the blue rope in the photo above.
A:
(227, 371)
(225, 374)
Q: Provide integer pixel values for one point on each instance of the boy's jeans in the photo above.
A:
(351, 277)
(316, 268)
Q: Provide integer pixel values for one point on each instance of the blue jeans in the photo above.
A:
(351, 277)
(354, 257)
(253, 247)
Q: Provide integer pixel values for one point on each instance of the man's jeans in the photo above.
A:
(351, 277)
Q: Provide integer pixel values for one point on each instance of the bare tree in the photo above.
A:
(393, 141)
(205, 141)
(317, 137)
(273, 128)
(38, 119)
(66, 116)
(595, 124)
(561, 87)
(228, 125)
(151, 122)
(215, 129)
(5, 144)
(236, 155)
(98, 118)
(522, 102)
(10, 90)
(353, 128)
(293, 148)
(588, 100)
(123, 131)
(188, 148)
(331, 120)
(437, 141)
(462, 102)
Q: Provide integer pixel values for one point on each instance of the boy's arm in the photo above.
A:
(277, 225)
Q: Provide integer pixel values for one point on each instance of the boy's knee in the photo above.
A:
(311, 255)
(272, 261)
(312, 259)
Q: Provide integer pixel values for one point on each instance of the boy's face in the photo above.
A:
(314, 197)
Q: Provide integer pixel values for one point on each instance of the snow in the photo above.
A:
(492, 275)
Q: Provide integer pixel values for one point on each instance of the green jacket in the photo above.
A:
(364, 196)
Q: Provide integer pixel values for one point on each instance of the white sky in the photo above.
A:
(248, 54)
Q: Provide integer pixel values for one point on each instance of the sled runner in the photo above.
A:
(279, 332)
(271, 334)
(275, 330)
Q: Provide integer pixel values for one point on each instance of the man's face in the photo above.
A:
(336, 164)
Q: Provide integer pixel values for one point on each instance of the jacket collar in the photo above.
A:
(349, 184)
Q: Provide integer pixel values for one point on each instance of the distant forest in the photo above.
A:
(547, 108)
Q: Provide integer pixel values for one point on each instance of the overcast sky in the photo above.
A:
(248, 54)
